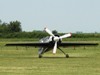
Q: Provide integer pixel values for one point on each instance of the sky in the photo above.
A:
(61, 15)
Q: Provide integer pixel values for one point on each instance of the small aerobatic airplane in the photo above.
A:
(52, 42)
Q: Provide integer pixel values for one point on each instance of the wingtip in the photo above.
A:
(97, 43)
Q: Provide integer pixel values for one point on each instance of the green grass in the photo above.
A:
(25, 61)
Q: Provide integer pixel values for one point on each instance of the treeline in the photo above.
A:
(34, 34)
(41, 34)
(11, 27)
(86, 35)
(13, 30)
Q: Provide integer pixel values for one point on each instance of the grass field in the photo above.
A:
(25, 61)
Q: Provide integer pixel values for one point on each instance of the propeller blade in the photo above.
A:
(65, 36)
(49, 32)
(55, 48)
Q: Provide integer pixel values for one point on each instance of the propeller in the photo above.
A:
(65, 36)
(55, 48)
(56, 38)
(49, 32)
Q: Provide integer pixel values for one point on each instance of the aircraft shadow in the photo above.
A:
(44, 57)
(62, 57)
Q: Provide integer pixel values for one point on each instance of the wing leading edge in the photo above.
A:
(78, 44)
(28, 44)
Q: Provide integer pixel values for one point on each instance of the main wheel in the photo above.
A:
(67, 56)
(40, 56)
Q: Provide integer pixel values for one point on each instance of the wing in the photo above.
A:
(28, 44)
(48, 44)
(77, 44)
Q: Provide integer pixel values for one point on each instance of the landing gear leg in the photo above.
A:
(40, 52)
(66, 55)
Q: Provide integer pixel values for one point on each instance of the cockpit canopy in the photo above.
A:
(45, 39)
